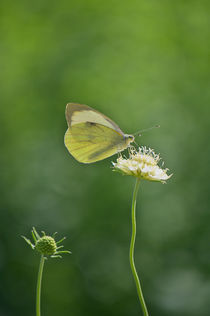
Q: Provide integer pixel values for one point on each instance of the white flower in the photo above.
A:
(142, 164)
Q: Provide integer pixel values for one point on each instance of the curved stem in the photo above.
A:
(131, 253)
(38, 288)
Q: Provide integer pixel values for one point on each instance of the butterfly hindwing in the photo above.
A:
(89, 142)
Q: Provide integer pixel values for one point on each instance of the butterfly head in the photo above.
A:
(129, 139)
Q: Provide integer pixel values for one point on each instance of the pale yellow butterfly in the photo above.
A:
(91, 136)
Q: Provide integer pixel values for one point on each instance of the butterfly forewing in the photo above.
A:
(81, 113)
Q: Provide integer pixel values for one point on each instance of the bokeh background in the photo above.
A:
(141, 63)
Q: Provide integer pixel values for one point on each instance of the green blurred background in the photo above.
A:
(141, 63)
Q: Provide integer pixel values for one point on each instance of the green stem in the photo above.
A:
(131, 253)
(38, 288)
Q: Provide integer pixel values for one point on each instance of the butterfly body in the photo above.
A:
(92, 136)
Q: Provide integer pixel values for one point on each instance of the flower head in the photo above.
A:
(142, 164)
(46, 245)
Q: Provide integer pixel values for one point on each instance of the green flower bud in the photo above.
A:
(46, 245)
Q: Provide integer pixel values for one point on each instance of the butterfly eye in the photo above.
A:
(131, 138)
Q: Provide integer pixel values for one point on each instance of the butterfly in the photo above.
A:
(91, 136)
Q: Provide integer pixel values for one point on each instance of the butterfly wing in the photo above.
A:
(92, 136)
(81, 113)
(89, 142)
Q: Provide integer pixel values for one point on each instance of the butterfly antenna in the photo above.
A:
(145, 130)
